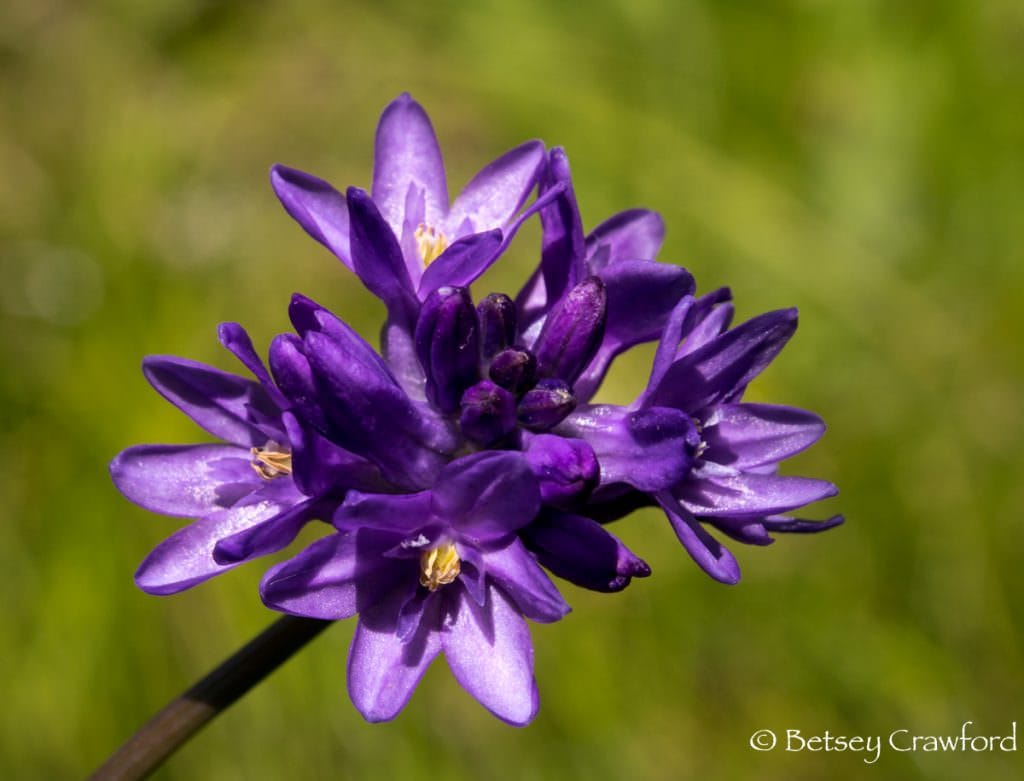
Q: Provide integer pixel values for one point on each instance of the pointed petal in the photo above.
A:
(494, 195)
(336, 576)
(489, 651)
(184, 480)
(229, 407)
(376, 256)
(747, 495)
(462, 263)
(650, 449)
(186, 557)
(406, 155)
(748, 435)
(486, 495)
(635, 234)
(382, 669)
(316, 206)
(235, 339)
(583, 552)
(525, 583)
(785, 524)
(712, 557)
(725, 364)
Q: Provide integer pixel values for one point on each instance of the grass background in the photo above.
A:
(859, 160)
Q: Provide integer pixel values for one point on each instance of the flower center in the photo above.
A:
(272, 460)
(439, 566)
(430, 243)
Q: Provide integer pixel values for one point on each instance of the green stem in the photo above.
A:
(184, 716)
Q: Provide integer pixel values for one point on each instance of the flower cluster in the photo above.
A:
(467, 461)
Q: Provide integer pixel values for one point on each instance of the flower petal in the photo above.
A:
(494, 195)
(583, 552)
(184, 480)
(401, 513)
(635, 234)
(522, 579)
(316, 206)
(336, 576)
(566, 469)
(268, 537)
(726, 364)
(229, 407)
(376, 255)
(186, 557)
(748, 435)
(462, 263)
(486, 495)
(712, 557)
(320, 467)
(406, 155)
(650, 449)
(489, 651)
(382, 669)
(234, 337)
(747, 495)
(787, 525)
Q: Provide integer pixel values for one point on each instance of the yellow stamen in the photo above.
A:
(439, 566)
(430, 243)
(271, 461)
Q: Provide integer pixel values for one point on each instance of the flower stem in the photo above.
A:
(184, 716)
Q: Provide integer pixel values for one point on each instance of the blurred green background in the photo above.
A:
(862, 161)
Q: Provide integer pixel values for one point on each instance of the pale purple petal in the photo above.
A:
(494, 195)
(316, 206)
(748, 495)
(406, 155)
(184, 480)
(186, 558)
(713, 557)
(268, 537)
(749, 435)
(382, 669)
(635, 234)
(221, 403)
(489, 651)
(522, 579)
(336, 576)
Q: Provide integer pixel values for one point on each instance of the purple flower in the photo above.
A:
(404, 239)
(437, 570)
(689, 443)
(252, 493)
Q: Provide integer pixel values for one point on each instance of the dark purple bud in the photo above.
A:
(566, 469)
(573, 331)
(514, 369)
(546, 405)
(498, 318)
(447, 344)
(488, 414)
